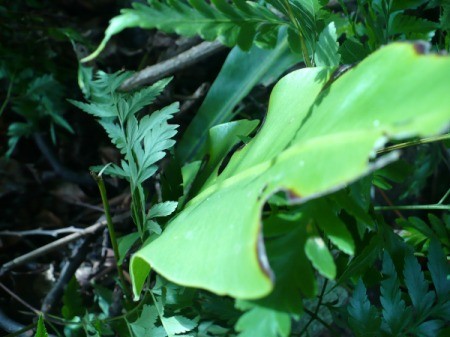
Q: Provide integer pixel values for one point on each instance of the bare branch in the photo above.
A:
(59, 243)
(156, 72)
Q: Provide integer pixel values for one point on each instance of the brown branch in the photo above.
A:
(58, 243)
(69, 269)
(40, 231)
(181, 61)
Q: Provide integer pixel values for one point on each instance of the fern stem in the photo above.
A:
(313, 315)
(293, 19)
(444, 197)
(414, 207)
(112, 233)
(8, 96)
(415, 142)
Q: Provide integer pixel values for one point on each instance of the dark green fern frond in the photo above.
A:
(239, 23)
(421, 310)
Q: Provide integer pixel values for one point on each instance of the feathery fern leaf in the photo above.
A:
(395, 314)
(363, 317)
(421, 298)
(240, 23)
(142, 141)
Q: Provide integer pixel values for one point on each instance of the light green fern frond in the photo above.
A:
(143, 141)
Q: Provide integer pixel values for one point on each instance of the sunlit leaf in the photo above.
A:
(312, 143)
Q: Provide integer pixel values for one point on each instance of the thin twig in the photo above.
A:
(319, 303)
(315, 316)
(67, 272)
(389, 202)
(181, 61)
(59, 243)
(40, 231)
(18, 299)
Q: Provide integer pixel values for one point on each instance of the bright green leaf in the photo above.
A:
(311, 144)
(41, 330)
(260, 321)
(125, 243)
(162, 209)
(239, 74)
(326, 53)
(321, 258)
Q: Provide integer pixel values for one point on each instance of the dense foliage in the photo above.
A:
(325, 215)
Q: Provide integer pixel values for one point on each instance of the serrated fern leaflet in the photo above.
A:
(141, 140)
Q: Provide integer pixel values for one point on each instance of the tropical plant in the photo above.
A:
(277, 232)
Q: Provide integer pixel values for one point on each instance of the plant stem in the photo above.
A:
(413, 207)
(415, 142)
(112, 233)
(444, 197)
(8, 96)
(319, 303)
(293, 19)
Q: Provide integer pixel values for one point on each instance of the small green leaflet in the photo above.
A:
(144, 326)
(327, 47)
(439, 269)
(41, 330)
(321, 258)
(421, 298)
(363, 317)
(395, 313)
(125, 243)
(162, 209)
(260, 321)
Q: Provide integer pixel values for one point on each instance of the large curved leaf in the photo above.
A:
(316, 139)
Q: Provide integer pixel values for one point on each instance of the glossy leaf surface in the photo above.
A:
(316, 139)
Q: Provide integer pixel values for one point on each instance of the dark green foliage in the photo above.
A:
(364, 318)
(421, 313)
(392, 266)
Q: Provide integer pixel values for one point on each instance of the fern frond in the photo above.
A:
(239, 23)
(363, 317)
(395, 313)
(142, 141)
(417, 286)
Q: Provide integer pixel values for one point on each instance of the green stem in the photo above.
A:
(8, 96)
(444, 197)
(415, 142)
(305, 53)
(413, 207)
(112, 233)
